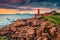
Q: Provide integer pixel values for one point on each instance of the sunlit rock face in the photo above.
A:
(25, 28)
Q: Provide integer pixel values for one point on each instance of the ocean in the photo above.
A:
(6, 19)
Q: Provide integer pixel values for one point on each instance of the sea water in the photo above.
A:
(6, 19)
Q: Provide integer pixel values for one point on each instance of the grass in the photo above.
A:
(1, 38)
(53, 18)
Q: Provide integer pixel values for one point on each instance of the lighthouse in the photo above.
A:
(38, 14)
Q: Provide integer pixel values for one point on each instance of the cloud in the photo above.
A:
(13, 4)
(10, 1)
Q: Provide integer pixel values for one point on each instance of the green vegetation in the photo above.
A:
(53, 18)
(1, 38)
(57, 13)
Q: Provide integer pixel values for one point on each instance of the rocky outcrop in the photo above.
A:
(30, 29)
(35, 28)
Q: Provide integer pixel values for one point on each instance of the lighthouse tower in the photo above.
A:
(38, 14)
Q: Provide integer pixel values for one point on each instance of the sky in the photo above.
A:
(23, 6)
